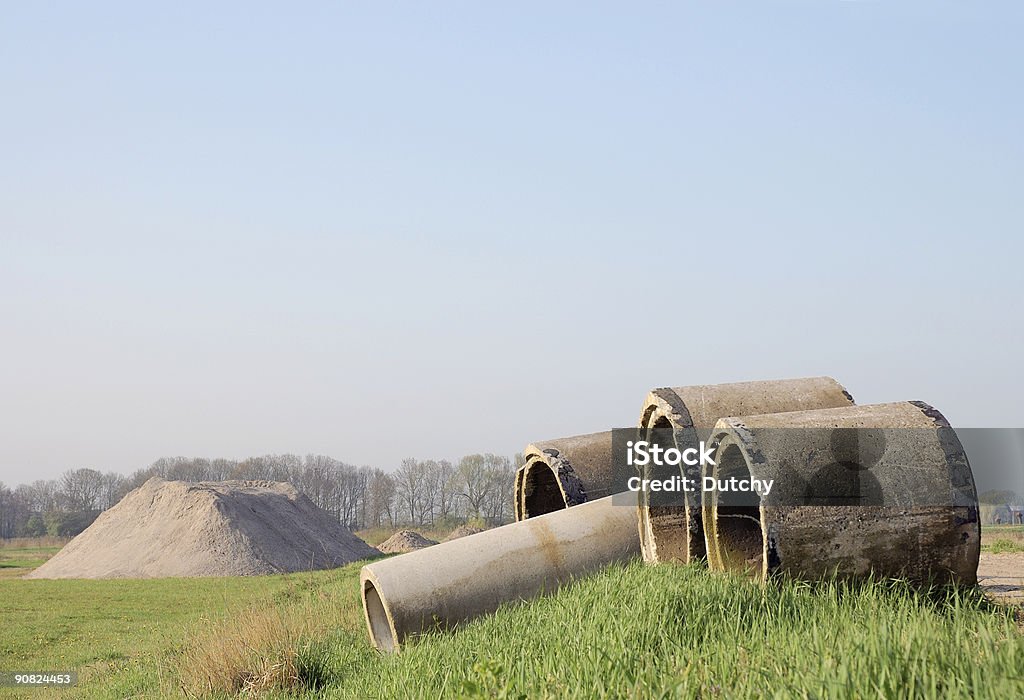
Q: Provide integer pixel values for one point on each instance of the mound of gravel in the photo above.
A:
(462, 531)
(224, 528)
(404, 541)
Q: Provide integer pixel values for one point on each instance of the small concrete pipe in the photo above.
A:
(673, 530)
(563, 472)
(883, 490)
(448, 583)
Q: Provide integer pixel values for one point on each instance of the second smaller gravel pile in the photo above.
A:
(463, 531)
(404, 541)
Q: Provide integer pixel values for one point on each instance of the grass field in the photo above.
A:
(123, 636)
(1003, 538)
(630, 631)
(24, 554)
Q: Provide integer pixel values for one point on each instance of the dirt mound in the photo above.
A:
(404, 541)
(463, 531)
(224, 528)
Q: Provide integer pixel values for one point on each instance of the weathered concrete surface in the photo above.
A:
(471, 576)
(673, 531)
(881, 490)
(1001, 576)
(563, 472)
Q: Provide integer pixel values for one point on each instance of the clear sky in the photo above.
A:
(379, 230)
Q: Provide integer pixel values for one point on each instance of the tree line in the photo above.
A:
(420, 493)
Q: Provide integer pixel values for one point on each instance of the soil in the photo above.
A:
(404, 541)
(1002, 576)
(462, 531)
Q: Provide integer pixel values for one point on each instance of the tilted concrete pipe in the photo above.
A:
(882, 490)
(563, 472)
(448, 583)
(671, 530)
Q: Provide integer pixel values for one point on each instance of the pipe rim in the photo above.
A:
(554, 465)
(722, 441)
(665, 404)
(381, 630)
(517, 493)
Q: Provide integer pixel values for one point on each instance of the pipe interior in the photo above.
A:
(541, 491)
(379, 623)
(737, 517)
(666, 512)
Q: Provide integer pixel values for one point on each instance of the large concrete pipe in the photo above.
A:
(445, 584)
(883, 490)
(671, 527)
(563, 472)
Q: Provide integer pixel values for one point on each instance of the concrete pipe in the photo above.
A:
(883, 490)
(440, 586)
(562, 473)
(671, 527)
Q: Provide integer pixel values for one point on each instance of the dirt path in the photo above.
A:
(1002, 576)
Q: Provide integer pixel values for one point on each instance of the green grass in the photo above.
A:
(629, 631)
(16, 562)
(1003, 546)
(995, 531)
(1003, 528)
(1002, 539)
(21, 555)
(680, 632)
(123, 635)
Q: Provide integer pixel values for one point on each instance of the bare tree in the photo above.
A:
(351, 485)
(431, 485)
(80, 489)
(114, 488)
(500, 480)
(40, 496)
(409, 490)
(10, 506)
(472, 483)
(220, 469)
(447, 490)
(380, 498)
(316, 479)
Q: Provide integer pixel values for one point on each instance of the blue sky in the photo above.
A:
(385, 230)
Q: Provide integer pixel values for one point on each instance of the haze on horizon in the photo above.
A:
(376, 232)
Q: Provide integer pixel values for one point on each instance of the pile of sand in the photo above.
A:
(404, 541)
(463, 531)
(225, 528)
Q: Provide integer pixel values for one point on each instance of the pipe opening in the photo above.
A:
(541, 491)
(666, 519)
(737, 518)
(380, 626)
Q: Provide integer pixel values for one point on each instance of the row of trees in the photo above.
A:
(420, 492)
(426, 492)
(60, 507)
